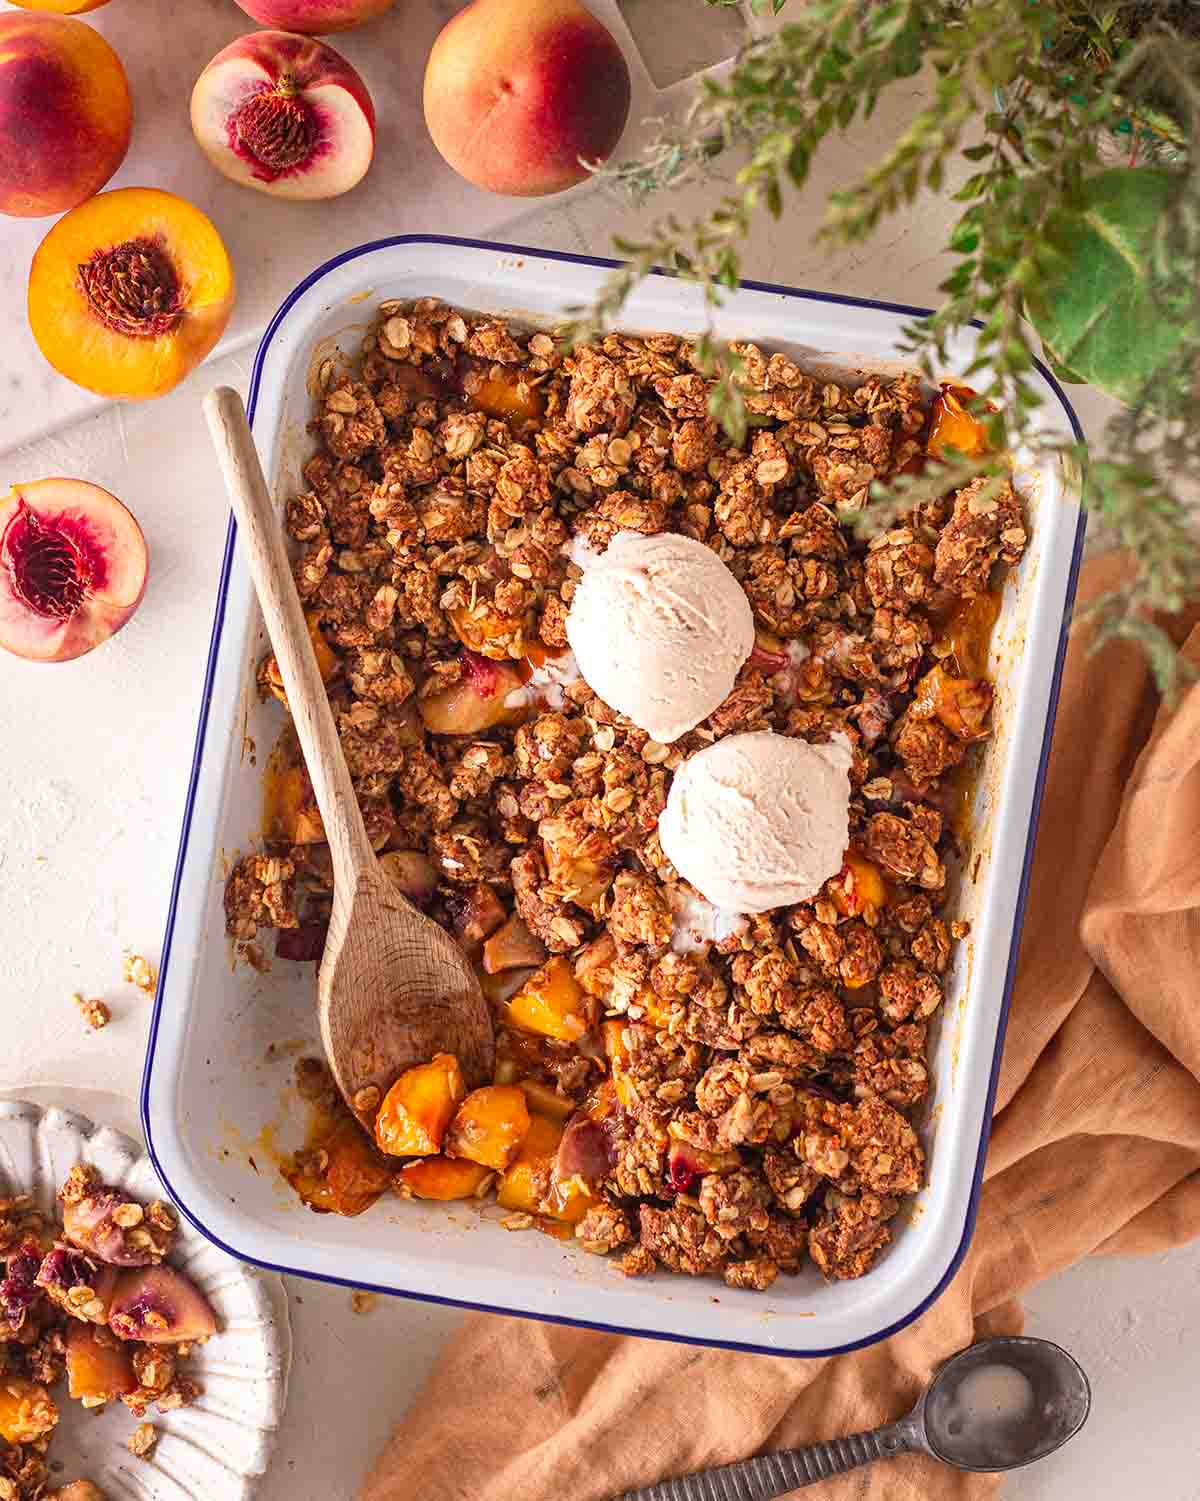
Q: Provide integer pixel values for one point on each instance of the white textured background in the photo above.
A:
(95, 756)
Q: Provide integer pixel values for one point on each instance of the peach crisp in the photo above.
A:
(699, 1090)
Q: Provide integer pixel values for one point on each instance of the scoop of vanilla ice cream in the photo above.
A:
(659, 627)
(760, 820)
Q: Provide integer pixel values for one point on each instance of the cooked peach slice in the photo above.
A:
(967, 634)
(284, 114)
(98, 1367)
(418, 1108)
(527, 1180)
(443, 1178)
(353, 1175)
(475, 913)
(953, 426)
(961, 704)
(481, 628)
(411, 873)
(65, 113)
(292, 812)
(504, 393)
(686, 1164)
(551, 1002)
(27, 1411)
(73, 567)
(542, 1100)
(857, 885)
(490, 1126)
(477, 701)
(159, 1305)
(129, 291)
(512, 946)
(316, 17)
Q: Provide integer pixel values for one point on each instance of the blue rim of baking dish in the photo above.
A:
(604, 263)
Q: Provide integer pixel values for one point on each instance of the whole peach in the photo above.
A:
(65, 113)
(519, 93)
(314, 17)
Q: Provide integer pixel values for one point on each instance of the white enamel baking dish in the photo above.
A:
(224, 1037)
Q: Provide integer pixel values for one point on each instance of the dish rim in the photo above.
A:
(972, 1206)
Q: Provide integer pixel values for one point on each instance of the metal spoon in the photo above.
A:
(393, 988)
(947, 1424)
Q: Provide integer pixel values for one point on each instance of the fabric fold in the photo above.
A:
(1095, 1150)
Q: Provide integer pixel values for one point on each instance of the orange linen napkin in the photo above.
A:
(1095, 1150)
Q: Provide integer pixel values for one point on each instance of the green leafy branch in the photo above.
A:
(1028, 95)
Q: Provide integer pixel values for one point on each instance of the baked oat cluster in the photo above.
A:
(90, 1301)
(729, 1101)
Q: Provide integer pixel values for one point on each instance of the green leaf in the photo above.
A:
(1095, 308)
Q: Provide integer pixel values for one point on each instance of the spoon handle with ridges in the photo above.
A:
(771, 1475)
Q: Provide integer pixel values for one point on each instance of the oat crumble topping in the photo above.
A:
(751, 1103)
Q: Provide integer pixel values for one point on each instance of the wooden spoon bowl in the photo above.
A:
(393, 988)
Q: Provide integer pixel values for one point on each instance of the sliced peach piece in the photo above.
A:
(551, 1002)
(505, 393)
(420, 1105)
(292, 812)
(477, 701)
(73, 567)
(443, 1178)
(686, 1163)
(158, 1305)
(857, 885)
(961, 704)
(284, 114)
(327, 660)
(65, 113)
(527, 1180)
(354, 1174)
(593, 967)
(27, 1410)
(490, 1126)
(97, 1370)
(512, 946)
(315, 17)
(967, 632)
(481, 628)
(129, 291)
(542, 1100)
(953, 426)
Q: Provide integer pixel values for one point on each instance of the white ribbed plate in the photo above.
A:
(216, 1449)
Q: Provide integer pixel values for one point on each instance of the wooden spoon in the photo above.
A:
(393, 988)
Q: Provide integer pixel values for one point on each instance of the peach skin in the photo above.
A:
(314, 17)
(129, 291)
(520, 93)
(65, 114)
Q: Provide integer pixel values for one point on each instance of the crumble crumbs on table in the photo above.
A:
(96, 1013)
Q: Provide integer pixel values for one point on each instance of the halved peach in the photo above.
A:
(129, 291)
(286, 115)
(72, 568)
(314, 17)
(65, 113)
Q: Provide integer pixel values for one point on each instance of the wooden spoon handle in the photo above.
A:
(261, 537)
